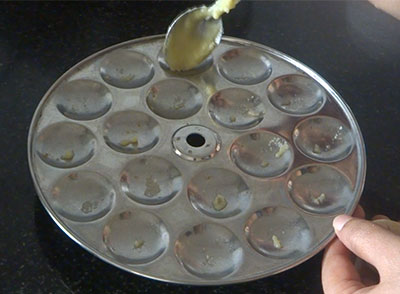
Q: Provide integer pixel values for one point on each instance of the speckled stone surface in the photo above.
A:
(352, 45)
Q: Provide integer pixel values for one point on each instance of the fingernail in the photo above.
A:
(340, 221)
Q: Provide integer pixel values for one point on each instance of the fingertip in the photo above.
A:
(359, 212)
(340, 221)
(379, 216)
(389, 225)
(369, 241)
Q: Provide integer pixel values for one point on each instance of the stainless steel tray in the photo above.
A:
(228, 173)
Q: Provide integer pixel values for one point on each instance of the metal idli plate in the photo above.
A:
(228, 173)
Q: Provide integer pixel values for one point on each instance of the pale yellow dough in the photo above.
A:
(277, 243)
(219, 202)
(222, 6)
(186, 48)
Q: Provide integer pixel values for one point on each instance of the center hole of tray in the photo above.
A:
(195, 140)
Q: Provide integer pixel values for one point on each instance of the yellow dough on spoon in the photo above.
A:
(193, 35)
(222, 6)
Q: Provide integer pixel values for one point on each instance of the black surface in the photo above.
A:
(352, 45)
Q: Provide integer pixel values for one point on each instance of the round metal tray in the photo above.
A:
(227, 173)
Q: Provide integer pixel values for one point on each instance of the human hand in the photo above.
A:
(369, 241)
(390, 6)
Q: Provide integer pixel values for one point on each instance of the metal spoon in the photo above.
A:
(194, 34)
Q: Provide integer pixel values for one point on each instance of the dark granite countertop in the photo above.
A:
(351, 44)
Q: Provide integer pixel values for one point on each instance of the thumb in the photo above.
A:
(371, 242)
